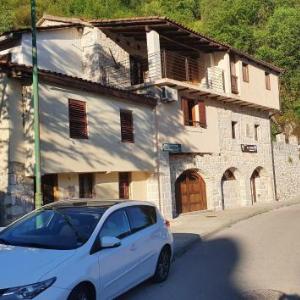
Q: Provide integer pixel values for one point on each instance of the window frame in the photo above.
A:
(84, 122)
(125, 139)
(191, 108)
(127, 218)
(245, 72)
(233, 130)
(256, 132)
(144, 227)
(129, 177)
(92, 177)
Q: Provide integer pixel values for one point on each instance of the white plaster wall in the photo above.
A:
(68, 186)
(172, 128)
(255, 91)
(103, 150)
(107, 185)
(58, 50)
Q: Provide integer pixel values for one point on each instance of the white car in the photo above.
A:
(84, 250)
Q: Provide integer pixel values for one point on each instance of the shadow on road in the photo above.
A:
(206, 274)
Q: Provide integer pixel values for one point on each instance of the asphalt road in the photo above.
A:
(261, 254)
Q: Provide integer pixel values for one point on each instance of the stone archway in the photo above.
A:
(259, 185)
(190, 192)
(230, 188)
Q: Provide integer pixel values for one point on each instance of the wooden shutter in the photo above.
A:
(268, 82)
(185, 110)
(245, 72)
(202, 113)
(124, 184)
(126, 119)
(78, 119)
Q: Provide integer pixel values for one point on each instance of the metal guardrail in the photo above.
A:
(165, 64)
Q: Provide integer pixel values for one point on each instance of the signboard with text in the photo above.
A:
(173, 148)
(249, 148)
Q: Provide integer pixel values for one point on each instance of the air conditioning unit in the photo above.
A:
(169, 94)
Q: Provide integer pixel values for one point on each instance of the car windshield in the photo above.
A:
(60, 228)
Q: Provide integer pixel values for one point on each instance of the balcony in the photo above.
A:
(170, 65)
(165, 65)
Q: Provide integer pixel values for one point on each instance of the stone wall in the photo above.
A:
(211, 167)
(103, 60)
(287, 168)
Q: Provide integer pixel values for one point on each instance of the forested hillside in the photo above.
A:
(268, 29)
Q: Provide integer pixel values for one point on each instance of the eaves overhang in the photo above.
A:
(24, 72)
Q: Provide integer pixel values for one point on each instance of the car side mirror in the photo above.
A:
(109, 242)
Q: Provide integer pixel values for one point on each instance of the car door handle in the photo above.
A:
(132, 248)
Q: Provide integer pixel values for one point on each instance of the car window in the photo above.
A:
(141, 216)
(116, 225)
(63, 228)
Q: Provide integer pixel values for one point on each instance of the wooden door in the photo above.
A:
(190, 193)
(50, 188)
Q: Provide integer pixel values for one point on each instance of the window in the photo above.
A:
(191, 108)
(202, 113)
(126, 120)
(116, 225)
(78, 119)
(86, 182)
(256, 131)
(141, 217)
(234, 78)
(233, 129)
(124, 185)
(268, 82)
(245, 72)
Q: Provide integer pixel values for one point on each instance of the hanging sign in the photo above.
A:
(174, 148)
(249, 148)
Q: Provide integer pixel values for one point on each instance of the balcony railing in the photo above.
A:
(165, 64)
(186, 69)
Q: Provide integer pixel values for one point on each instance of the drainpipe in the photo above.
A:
(157, 156)
(36, 125)
(273, 161)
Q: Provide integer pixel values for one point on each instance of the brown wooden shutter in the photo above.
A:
(185, 110)
(124, 184)
(126, 119)
(202, 113)
(245, 72)
(268, 82)
(78, 119)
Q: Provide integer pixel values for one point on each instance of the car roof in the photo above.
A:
(93, 203)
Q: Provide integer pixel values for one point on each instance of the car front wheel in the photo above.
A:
(81, 292)
(163, 265)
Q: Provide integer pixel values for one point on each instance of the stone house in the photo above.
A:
(166, 115)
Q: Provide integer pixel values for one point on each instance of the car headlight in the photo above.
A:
(28, 291)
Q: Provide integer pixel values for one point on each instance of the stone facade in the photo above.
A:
(211, 167)
(287, 168)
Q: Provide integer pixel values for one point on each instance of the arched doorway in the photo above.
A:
(253, 184)
(230, 189)
(190, 192)
(261, 186)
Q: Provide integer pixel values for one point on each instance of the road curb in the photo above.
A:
(182, 249)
